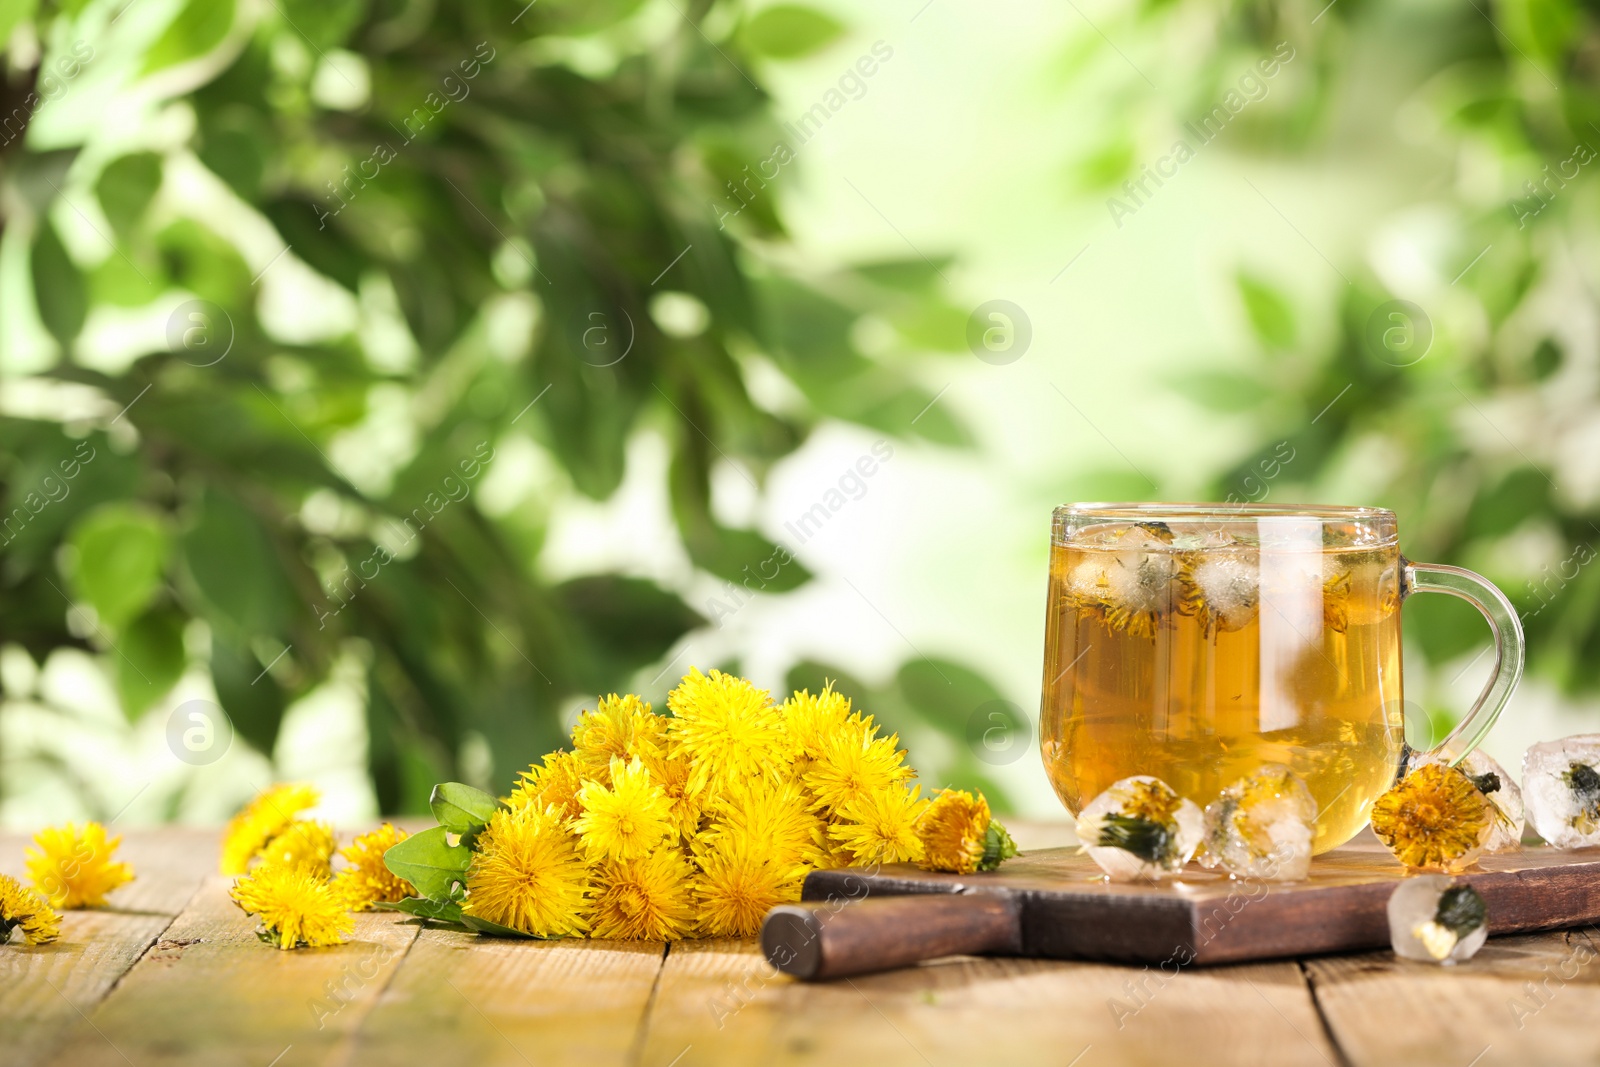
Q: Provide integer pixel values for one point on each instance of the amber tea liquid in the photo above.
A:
(1196, 655)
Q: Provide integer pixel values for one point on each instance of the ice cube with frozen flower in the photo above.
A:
(1139, 829)
(1496, 783)
(1261, 826)
(1435, 919)
(1561, 786)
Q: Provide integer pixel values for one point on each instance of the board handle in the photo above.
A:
(833, 940)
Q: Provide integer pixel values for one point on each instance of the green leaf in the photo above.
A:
(462, 809)
(431, 863)
(629, 622)
(484, 926)
(58, 286)
(945, 693)
(1222, 390)
(789, 31)
(911, 274)
(250, 600)
(813, 677)
(1107, 166)
(1269, 311)
(1502, 508)
(14, 13)
(199, 27)
(444, 911)
(249, 695)
(746, 558)
(126, 187)
(121, 559)
(149, 659)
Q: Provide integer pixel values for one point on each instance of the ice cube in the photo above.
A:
(1223, 589)
(1141, 580)
(1500, 787)
(1561, 784)
(1139, 829)
(1436, 920)
(1261, 827)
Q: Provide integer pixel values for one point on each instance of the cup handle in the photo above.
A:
(1504, 625)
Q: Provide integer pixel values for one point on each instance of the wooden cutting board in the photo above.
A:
(1054, 903)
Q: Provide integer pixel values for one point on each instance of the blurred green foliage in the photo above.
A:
(447, 168)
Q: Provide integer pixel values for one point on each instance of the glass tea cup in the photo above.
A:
(1197, 642)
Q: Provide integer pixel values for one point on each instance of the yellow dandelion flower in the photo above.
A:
(1336, 602)
(959, 835)
(527, 875)
(21, 906)
(303, 843)
(296, 908)
(73, 868)
(1434, 818)
(264, 818)
(809, 720)
(736, 888)
(881, 826)
(671, 772)
(622, 726)
(366, 881)
(852, 763)
(552, 782)
(830, 853)
(1152, 800)
(650, 898)
(770, 819)
(729, 729)
(627, 820)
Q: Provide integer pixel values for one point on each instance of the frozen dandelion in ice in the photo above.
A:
(1435, 818)
(1222, 590)
(1561, 783)
(1494, 782)
(1261, 827)
(1139, 829)
(1135, 588)
(1336, 602)
(1435, 920)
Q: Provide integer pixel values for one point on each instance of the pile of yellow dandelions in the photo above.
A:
(292, 886)
(70, 867)
(653, 827)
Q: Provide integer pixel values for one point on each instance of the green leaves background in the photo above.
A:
(512, 177)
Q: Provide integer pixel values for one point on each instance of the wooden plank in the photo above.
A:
(47, 990)
(1521, 1000)
(1068, 910)
(459, 998)
(211, 993)
(718, 1002)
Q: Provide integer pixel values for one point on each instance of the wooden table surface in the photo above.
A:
(173, 974)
